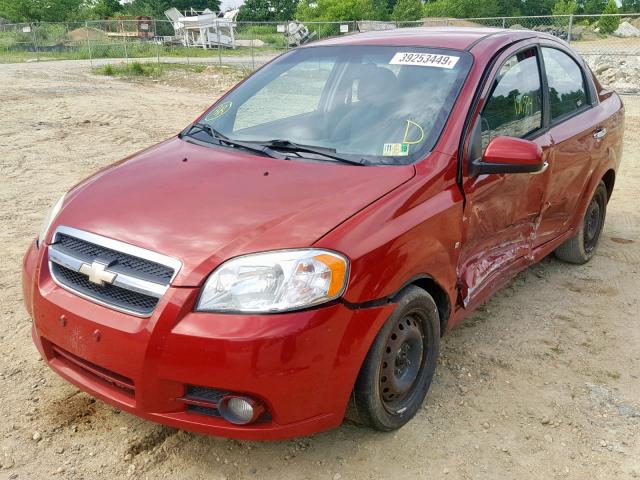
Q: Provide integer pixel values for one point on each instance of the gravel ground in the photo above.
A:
(542, 382)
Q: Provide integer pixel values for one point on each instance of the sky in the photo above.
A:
(230, 4)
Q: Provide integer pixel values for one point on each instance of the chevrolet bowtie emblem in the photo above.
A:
(97, 273)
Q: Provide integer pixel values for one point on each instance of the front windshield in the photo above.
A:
(386, 105)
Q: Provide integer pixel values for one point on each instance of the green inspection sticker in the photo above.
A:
(218, 111)
(395, 150)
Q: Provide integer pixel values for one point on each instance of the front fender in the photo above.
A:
(412, 232)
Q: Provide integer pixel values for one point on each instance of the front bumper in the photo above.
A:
(301, 365)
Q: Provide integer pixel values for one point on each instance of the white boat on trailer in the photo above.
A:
(204, 29)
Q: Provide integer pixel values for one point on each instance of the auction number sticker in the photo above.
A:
(424, 59)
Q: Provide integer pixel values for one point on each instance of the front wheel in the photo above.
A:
(398, 369)
(582, 247)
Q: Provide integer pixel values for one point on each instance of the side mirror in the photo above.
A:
(508, 155)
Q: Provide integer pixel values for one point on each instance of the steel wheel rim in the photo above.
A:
(402, 362)
(593, 223)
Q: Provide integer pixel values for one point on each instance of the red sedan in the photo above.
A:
(308, 240)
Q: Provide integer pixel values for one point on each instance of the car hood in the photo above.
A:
(203, 205)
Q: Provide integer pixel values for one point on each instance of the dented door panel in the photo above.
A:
(502, 210)
(500, 217)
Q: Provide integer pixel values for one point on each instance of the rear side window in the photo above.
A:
(567, 92)
(514, 107)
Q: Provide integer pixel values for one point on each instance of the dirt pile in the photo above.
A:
(626, 30)
(616, 72)
(84, 34)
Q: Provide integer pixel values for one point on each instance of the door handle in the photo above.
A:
(600, 133)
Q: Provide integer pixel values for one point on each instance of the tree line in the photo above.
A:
(309, 10)
(70, 10)
(404, 10)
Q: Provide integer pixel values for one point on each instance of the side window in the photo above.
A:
(567, 92)
(514, 107)
(308, 76)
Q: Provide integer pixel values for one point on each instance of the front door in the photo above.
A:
(501, 209)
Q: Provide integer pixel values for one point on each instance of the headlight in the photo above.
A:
(48, 220)
(275, 281)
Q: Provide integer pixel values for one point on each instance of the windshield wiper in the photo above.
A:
(224, 140)
(290, 146)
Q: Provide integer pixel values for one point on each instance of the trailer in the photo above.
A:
(131, 27)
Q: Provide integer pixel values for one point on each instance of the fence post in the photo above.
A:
(35, 43)
(219, 47)
(570, 28)
(253, 59)
(126, 54)
(285, 36)
(155, 39)
(504, 22)
(86, 29)
(66, 36)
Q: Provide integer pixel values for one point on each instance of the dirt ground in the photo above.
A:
(541, 383)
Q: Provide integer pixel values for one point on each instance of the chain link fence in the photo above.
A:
(251, 44)
(617, 34)
(108, 41)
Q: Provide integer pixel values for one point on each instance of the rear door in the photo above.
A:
(577, 138)
(501, 209)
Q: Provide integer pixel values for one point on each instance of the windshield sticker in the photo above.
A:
(218, 111)
(424, 60)
(412, 129)
(395, 150)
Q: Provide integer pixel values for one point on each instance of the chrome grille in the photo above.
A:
(124, 263)
(109, 272)
(115, 296)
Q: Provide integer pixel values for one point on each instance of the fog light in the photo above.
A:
(240, 410)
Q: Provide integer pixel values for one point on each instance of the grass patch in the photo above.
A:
(267, 33)
(135, 69)
(18, 53)
(138, 69)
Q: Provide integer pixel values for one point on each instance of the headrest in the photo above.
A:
(376, 84)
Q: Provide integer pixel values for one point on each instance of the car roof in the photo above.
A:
(459, 38)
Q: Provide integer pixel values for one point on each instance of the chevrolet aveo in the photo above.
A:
(304, 244)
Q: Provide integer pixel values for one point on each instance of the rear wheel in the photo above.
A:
(582, 247)
(399, 367)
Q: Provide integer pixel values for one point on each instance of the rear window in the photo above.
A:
(567, 92)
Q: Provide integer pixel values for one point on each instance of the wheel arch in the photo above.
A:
(609, 179)
(607, 175)
(437, 292)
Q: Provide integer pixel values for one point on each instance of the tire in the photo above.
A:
(398, 369)
(582, 247)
